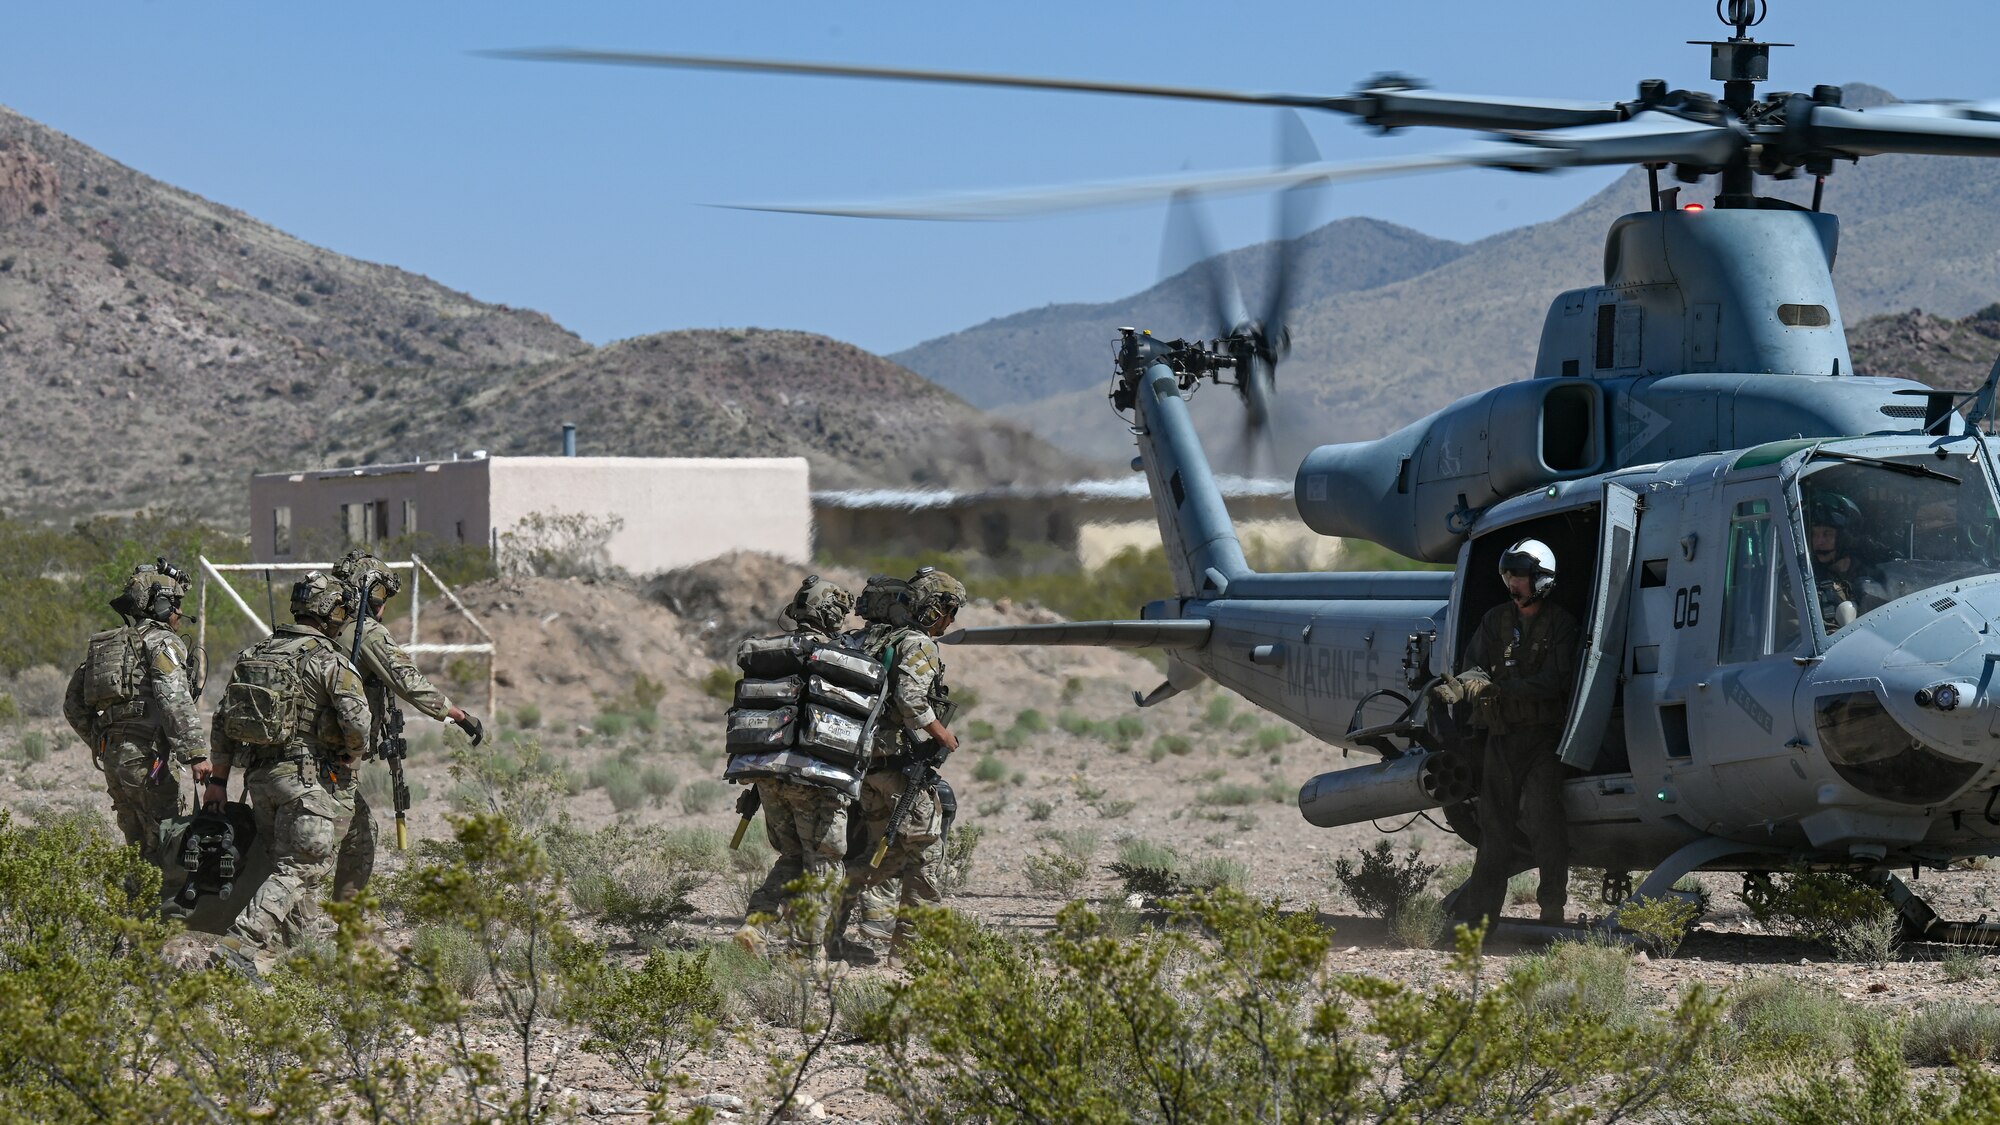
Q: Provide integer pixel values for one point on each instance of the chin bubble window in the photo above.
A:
(1872, 751)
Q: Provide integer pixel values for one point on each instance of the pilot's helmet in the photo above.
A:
(1531, 557)
(1831, 509)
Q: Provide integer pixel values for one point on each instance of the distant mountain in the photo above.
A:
(1377, 353)
(861, 420)
(156, 348)
(1953, 354)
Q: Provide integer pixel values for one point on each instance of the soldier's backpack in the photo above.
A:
(885, 601)
(804, 711)
(262, 704)
(114, 669)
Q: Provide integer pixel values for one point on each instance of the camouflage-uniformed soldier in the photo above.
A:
(916, 691)
(295, 720)
(132, 701)
(384, 667)
(806, 824)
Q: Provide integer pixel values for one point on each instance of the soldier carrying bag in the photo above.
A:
(805, 711)
(260, 707)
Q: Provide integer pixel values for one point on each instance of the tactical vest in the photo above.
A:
(804, 711)
(879, 643)
(267, 703)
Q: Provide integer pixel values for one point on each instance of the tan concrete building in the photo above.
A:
(1091, 519)
(658, 513)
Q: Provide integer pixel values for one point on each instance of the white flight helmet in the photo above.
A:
(1531, 556)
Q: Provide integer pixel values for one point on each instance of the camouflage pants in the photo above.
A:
(139, 801)
(910, 859)
(807, 827)
(295, 815)
(354, 827)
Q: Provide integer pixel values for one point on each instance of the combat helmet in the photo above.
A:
(820, 605)
(153, 592)
(361, 563)
(1533, 558)
(320, 598)
(934, 596)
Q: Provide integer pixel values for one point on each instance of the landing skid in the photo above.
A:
(1921, 923)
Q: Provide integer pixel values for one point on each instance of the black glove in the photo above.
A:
(473, 728)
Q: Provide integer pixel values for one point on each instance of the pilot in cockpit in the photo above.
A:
(1834, 525)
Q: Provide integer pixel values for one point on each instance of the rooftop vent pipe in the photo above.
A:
(569, 439)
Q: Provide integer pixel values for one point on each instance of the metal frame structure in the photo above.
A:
(418, 571)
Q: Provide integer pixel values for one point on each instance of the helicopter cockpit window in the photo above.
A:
(1804, 316)
(1759, 610)
(1880, 529)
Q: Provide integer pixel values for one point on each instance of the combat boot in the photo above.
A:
(752, 939)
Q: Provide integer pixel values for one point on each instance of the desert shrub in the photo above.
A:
(1128, 728)
(1593, 978)
(34, 747)
(1280, 791)
(10, 711)
(701, 796)
(1217, 872)
(954, 869)
(637, 879)
(1053, 871)
(658, 781)
(1380, 884)
(1948, 1031)
(1663, 922)
(1522, 888)
(378, 788)
(1226, 1015)
(1231, 795)
(1841, 911)
(644, 1020)
(1963, 965)
(994, 807)
(1878, 1091)
(1079, 844)
(859, 1006)
(989, 769)
(1272, 737)
(719, 683)
(753, 855)
(1217, 712)
(1778, 1018)
(620, 783)
(454, 958)
(527, 716)
(1031, 721)
(1421, 923)
(979, 730)
(1041, 809)
(1179, 745)
(611, 724)
(1149, 869)
(1116, 810)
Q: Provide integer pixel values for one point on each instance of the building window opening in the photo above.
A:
(281, 530)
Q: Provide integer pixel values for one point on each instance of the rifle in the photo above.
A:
(920, 774)
(746, 807)
(391, 747)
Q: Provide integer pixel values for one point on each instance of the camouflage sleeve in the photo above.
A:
(73, 708)
(384, 661)
(167, 673)
(917, 668)
(342, 688)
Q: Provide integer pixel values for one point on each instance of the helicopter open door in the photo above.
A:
(1603, 655)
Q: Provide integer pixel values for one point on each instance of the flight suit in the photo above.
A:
(141, 743)
(290, 785)
(1532, 665)
(384, 667)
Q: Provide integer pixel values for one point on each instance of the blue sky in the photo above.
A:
(370, 128)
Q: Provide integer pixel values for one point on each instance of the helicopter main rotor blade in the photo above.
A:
(1390, 103)
(1649, 137)
(903, 74)
(1926, 129)
(1298, 207)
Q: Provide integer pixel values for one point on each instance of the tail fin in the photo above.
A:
(1201, 544)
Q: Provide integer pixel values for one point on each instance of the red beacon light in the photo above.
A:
(1693, 208)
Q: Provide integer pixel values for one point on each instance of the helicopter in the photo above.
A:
(1687, 427)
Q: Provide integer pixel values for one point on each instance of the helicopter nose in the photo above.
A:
(1931, 662)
